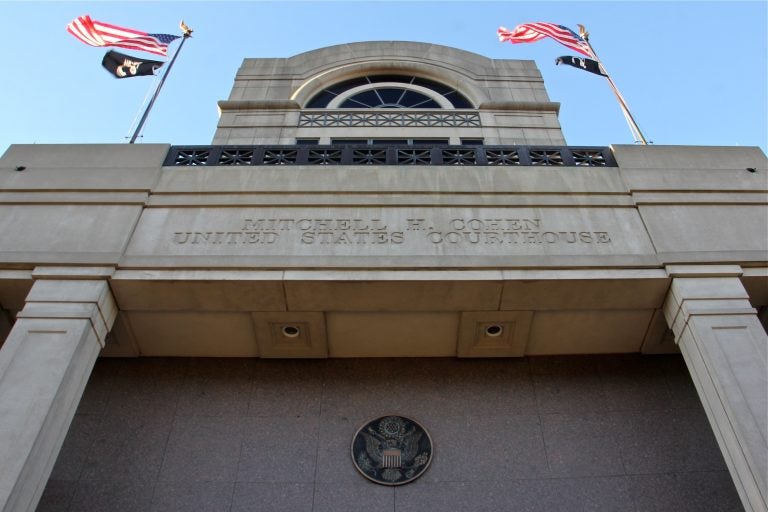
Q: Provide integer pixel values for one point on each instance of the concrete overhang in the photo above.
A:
(482, 313)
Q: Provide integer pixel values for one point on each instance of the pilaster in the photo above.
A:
(726, 350)
(44, 367)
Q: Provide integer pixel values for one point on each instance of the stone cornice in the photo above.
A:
(228, 105)
(527, 106)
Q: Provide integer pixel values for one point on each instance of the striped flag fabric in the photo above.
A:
(532, 32)
(97, 33)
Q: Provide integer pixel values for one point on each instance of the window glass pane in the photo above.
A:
(459, 101)
(430, 84)
(390, 96)
(390, 141)
(321, 100)
(390, 78)
(471, 142)
(427, 103)
(411, 98)
(431, 142)
(349, 141)
(347, 85)
(367, 99)
(307, 142)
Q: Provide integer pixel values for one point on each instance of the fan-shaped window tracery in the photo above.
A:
(386, 91)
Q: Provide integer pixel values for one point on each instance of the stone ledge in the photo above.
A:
(704, 270)
(79, 273)
(526, 106)
(240, 105)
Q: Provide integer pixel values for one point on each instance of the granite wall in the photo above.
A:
(566, 433)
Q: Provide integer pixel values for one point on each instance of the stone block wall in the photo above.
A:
(566, 433)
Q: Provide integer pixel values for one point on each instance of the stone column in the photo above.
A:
(726, 350)
(44, 367)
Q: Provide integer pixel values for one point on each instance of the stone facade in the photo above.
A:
(267, 102)
(534, 305)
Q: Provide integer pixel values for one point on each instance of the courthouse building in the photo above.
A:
(383, 229)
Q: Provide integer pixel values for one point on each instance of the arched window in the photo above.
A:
(389, 91)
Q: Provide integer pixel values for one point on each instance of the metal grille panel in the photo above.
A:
(503, 157)
(589, 158)
(191, 157)
(280, 156)
(547, 157)
(388, 119)
(459, 156)
(414, 156)
(236, 157)
(377, 154)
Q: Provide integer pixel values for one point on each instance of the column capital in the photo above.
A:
(704, 290)
(73, 298)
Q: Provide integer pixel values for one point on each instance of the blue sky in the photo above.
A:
(693, 73)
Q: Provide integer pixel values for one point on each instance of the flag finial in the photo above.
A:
(184, 28)
(583, 32)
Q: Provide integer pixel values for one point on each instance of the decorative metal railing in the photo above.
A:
(367, 118)
(389, 155)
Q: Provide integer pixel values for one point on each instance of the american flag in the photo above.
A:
(97, 33)
(532, 32)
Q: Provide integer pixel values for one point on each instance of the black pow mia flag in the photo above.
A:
(125, 66)
(583, 63)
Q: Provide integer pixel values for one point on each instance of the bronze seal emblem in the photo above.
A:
(391, 450)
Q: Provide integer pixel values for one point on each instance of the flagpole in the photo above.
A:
(187, 33)
(636, 133)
